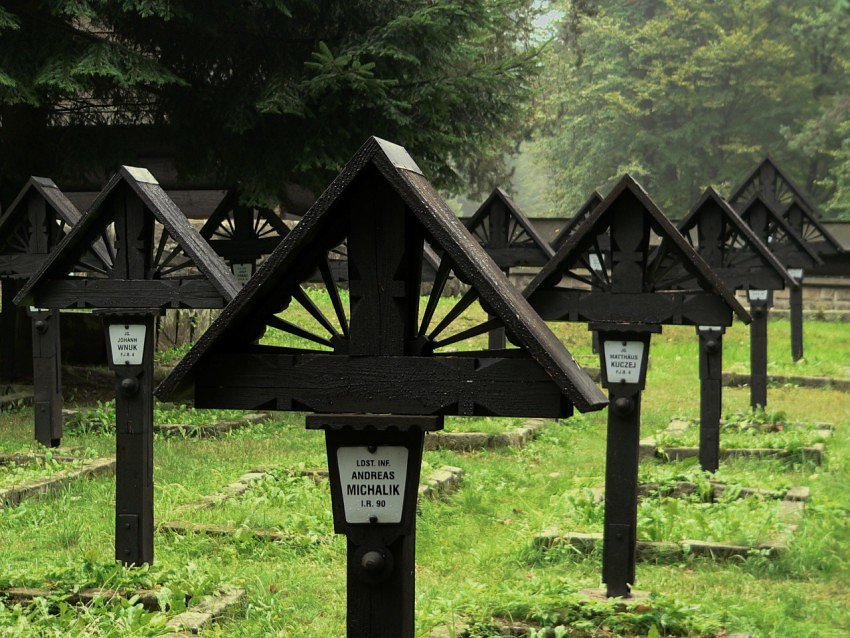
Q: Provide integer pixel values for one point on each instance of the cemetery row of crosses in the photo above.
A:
(391, 361)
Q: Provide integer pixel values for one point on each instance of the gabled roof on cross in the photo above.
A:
(773, 183)
(809, 227)
(592, 202)
(17, 237)
(55, 198)
(783, 187)
(224, 226)
(736, 232)
(521, 234)
(326, 224)
(139, 185)
(630, 196)
(782, 240)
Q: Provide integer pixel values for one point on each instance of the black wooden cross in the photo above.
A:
(773, 230)
(242, 235)
(509, 237)
(388, 363)
(38, 218)
(628, 298)
(743, 262)
(594, 256)
(569, 228)
(154, 260)
(770, 182)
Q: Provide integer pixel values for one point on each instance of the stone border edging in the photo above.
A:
(680, 489)
(187, 623)
(439, 484)
(206, 612)
(650, 448)
(737, 379)
(12, 496)
(14, 393)
(468, 441)
(790, 514)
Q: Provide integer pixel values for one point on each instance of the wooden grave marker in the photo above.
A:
(742, 261)
(773, 230)
(628, 300)
(380, 371)
(156, 261)
(36, 221)
(774, 185)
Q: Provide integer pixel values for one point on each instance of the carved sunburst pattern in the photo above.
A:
(445, 322)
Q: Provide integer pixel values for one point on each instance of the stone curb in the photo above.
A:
(12, 496)
(206, 612)
(210, 430)
(684, 488)
(210, 529)
(736, 379)
(24, 595)
(188, 623)
(468, 441)
(60, 454)
(585, 543)
(790, 514)
(21, 397)
(441, 482)
(815, 453)
(459, 630)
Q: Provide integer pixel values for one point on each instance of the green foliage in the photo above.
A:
(100, 419)
(18, 472)
(575, 617)
(277, 91)
(743, 521)
(686, 95)
(749, 432)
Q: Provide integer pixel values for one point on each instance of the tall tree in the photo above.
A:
(267, 91)
(684, 95)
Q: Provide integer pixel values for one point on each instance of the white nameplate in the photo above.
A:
(710, 328)
(622, 361)
(595, 262)
(243, 272)
(128, 344)
(372, 483)
(757, 295)
(796, 273)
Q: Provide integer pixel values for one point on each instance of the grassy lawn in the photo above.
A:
(475, 557)
(744, 521)
(791, 439)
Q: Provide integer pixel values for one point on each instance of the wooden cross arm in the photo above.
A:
(120, 293)
(677, 308)
(331, 383)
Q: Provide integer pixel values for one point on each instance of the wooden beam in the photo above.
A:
(379, 384)
(118, 293)
(687, 308)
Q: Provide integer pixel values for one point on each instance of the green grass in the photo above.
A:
(473, 549)
(769, 474)
(15, 473)
(291, 503)
(744, 521)
(100, 417)
(733, 437)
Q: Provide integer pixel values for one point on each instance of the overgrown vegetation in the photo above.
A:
(474, 549)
